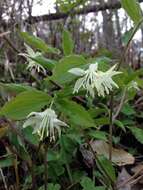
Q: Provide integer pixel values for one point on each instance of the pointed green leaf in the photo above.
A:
(24, 103)
(13, 88)
(106, 168)
(138, 133)
(87, 184)
(67, 43)
(38, 43)
(133, 9)
(46, 63)
(60, 72)
(76, 113)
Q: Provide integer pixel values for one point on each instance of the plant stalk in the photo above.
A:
(46, 167)
(111, 127)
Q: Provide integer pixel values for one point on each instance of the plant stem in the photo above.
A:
(69, 173)
(97, 160)
(16, 174)
(138, 25)
(46, 166)
(120, 105)
(111, 127)
(3, 178)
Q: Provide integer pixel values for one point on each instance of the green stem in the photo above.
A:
(16, 174)
(120, 105)
(111, 127)
(129, 41)
(69, 173)
(112, 96)
(46, 166)
(98, 161)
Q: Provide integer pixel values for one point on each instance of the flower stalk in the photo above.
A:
(45, 166)
(111, 127)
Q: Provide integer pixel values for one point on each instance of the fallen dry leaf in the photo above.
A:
(119, 156)
(138, 169)
(122, 178)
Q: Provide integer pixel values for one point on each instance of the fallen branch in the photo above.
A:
(4, 34)
(83, 11)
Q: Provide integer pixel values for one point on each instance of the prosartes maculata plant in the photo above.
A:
(74, 128)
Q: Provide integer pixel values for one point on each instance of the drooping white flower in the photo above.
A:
(30, 55)
(92, 79)
(45, 124)
(133, 85)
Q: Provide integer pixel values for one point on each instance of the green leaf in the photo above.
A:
(46, 63)
(53, 156)
(51, 186)
(55, 169)
(87, 184)
(32, 138)
(106, 168)
(24, 103)
(76, 113)
(102, 121)
(100, 135)
(38, 43)
(6, 161)
(67, 44)
(138, 133)
(127, 36)
(68, 146)
(60, 72)
(128, 110)
(14, 88)
(120, 124)
(133, 9)
(19, 145)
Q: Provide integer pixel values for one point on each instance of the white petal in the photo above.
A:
(78, 84)
(77, 71)
(29, 50)
(29, 122)
(59, 122)
(33, 114)
(93, 66)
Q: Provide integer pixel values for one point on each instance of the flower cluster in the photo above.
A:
(45, 124)
(92, 79)
(30, 56)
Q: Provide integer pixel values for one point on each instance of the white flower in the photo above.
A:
(92, 79)
(45, 124)
(31, 63)
(133, 84)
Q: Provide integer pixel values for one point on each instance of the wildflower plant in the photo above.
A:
(64, 79)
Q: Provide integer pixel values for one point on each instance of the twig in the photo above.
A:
(4, 34)
(3, 178)
(120, 105)
(11, 44)
(136, 180)
(130, 179)
(16, 174)
(69, 173)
